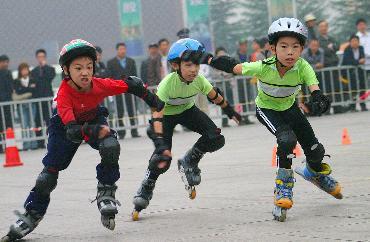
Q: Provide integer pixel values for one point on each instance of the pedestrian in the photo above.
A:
(44, 75)
(118, 67)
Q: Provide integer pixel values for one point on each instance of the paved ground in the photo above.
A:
(234, 201)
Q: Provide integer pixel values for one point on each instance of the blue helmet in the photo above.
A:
(186, 49)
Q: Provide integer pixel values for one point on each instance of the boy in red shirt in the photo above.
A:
(78, 116)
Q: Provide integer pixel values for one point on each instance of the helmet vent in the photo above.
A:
(289, 23)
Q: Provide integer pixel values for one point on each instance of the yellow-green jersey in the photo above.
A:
(275, 92)
(179, 96)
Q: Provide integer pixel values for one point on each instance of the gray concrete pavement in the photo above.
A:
(234, 200)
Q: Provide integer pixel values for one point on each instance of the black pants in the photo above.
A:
(5, 122)
(43, 114)
(294, 118)
(193, 119)
(130, 101)
(196, 121)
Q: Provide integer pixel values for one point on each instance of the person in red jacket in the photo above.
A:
(78, 116)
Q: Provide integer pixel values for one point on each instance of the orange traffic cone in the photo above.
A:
(273, 160)
(11, 151)
(346, 140)
(297, 150)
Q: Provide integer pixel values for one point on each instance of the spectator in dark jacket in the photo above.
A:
(314, 54)
(183, 33)
(152, 54)
(25, 88)
(329, 45)
(310, 22)
(118, 67)
(6, 90)
(100, 68)
(43, 74)
(354, 55)
(244, 86)
(331, 78)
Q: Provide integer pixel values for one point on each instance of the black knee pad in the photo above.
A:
(109, 150)
(316, 154)
(155, 161)
(286, 140)
(46, 181)
(211, 142)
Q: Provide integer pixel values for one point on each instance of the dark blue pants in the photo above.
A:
(60, 152)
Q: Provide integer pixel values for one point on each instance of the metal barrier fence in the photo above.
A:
(30, 118)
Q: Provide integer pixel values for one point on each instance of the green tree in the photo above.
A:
(221, 11)
(316, 7)
(347, 12)
(254, 21)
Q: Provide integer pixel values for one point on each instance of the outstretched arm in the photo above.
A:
(216, 96)
(226, 64)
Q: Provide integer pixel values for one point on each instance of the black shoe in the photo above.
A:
(225, 122)
(121, 134)
(135, 134)
(363, 107)
(245, 121)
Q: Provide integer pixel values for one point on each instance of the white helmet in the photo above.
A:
(286, 27)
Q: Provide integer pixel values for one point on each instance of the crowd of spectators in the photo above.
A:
(322, 50)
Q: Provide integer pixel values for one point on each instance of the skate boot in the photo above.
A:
(143, 197)
(107, 204)
(25, 224)
(321, 179)
(189, 171)
(283, 199)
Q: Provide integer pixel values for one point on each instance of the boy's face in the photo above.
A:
(81, 71)
(288, 50)
(354, 43)
(361, 26)
(189, 70)
(314, 45)
(41, 58)
(4, 65)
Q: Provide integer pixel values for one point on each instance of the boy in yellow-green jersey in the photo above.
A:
(178, 91)
(280, 79)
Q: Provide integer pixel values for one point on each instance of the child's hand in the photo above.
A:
(104, 131)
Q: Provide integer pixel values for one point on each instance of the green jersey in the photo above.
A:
(179, 96)
(275, 92)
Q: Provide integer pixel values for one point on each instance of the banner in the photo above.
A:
(131, 31)
(197, 20)
(281, 8)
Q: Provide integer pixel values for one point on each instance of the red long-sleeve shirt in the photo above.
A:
(82, 106)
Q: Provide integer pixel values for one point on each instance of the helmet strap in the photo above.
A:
(70, 78)
(180, 74)
(277, 60)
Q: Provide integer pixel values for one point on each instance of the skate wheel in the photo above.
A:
(135, 215)
(108, 222)
(193, 194)
(338, 196)
(279, 214)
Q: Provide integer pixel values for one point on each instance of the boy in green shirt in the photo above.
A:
(280, 79)
(178, 91)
